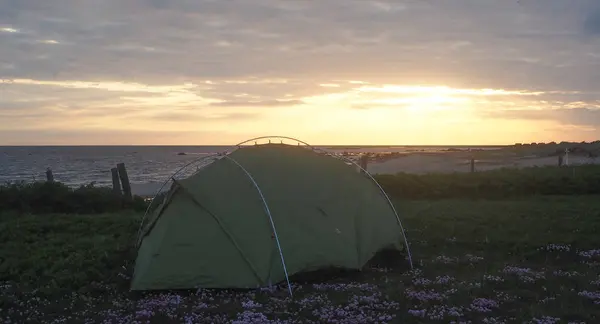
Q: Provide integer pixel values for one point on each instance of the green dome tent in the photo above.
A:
(260, 214)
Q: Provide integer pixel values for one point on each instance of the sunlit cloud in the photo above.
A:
(336, 71)
(108, 86)
(444, 90)
(269, 103)
(49, 41)
(425, 101)
(8, 30)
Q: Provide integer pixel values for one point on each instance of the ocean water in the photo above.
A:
(78, 165)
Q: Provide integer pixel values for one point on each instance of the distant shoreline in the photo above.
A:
(460, 161)
(149, 166)
(335, 146)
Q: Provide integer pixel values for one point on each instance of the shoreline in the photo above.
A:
(449, 160)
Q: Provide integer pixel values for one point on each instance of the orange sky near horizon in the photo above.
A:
(336, 72)
(347, 112)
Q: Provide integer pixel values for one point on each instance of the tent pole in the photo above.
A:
(386, 197)
(395, 212)
(355, 164)
(237, 146)
(270, 219)
(201, 159)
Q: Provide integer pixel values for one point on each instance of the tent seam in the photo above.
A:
(159, 212)
(268, 211)
(227, 233)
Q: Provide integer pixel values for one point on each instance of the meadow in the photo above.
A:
(495, 184)
(501, 256)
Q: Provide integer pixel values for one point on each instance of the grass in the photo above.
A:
(533, 260)
(55, 197)
(44, 198)
(495, 184)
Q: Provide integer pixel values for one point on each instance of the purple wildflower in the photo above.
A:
(556, 247)
(590, 254)
(483, 305)
(545, 320)
(417, 312)
(424, 295)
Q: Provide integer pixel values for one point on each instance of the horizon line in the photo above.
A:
(315, 145)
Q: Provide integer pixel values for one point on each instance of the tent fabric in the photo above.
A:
(213, 231)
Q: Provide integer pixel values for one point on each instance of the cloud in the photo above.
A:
(102, 137)
(574, 116)
(268, 103)
(591, 24)
(8, 30)
(208, 39)
(186, 115)
(99, 61)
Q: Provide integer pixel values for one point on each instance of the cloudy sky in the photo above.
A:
(326, 71)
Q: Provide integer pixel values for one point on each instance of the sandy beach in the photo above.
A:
(421, 163)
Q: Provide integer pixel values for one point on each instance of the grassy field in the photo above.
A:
(533, 260)
(44, 198)
(495, 184)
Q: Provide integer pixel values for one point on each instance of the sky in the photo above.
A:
(380, 72)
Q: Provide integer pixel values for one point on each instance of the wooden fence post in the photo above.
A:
(124, 180)
(49, 175)
(472, 165)
(115, 181)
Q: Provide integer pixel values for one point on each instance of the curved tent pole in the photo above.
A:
(365, 172)
(165, 183)
(275, 136)
(361, 168)
(395, 212)
(386, 197)
(225, 152)
(205, 158)
(194, 161)
(391, 205)
(270, 219)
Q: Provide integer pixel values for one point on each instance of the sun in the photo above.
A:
(416, 100)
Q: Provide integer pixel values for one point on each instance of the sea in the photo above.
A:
(82, 165)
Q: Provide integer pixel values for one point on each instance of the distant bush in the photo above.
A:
(55, 197)
(501, 183)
